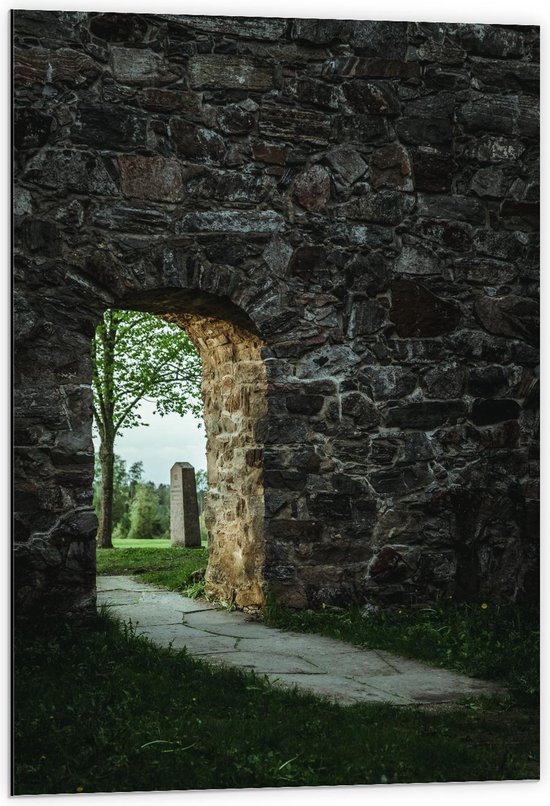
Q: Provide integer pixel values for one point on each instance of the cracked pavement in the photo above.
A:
(323, 666)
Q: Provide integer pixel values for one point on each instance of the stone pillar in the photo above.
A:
(184, 509)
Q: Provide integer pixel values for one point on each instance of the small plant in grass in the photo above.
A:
(196, 590)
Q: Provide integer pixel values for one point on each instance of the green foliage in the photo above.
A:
(137, 513)
(99, 709)
(201, 480)
(143, 513)
(493, 641)
(138, 356)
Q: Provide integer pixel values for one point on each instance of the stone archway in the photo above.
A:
(365, 211)
(234, 387)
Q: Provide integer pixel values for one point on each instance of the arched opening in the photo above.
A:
(234, 398)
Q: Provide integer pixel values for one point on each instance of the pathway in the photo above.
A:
(324, 666)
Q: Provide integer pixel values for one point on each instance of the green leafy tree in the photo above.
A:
(202, 488)
(136, 357)
(144, 513)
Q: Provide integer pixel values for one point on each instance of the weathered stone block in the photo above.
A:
(457, 208)
(490, 182)
(57, 27)
(487, 381)
(71, 170)
(445, 381)
(451, 235)
(110, 126)
(370, 273)
(494, 149)
(318, 32)
(307, 261)
(154, 178)
(192, 142)
(285, 479)
(442, 77)
(378, 38)
(390, 167)
(431, 51)
(511, 316)
(416, 260)
(31, 128)
(227, 186)
(116, 27)
(433, 169)
(371, 235)
(219, 71)
(289, 123)
(330, 506)
(518, 76)
(40, 236)
(402, 480)
(137, 66)
(505, 114)
(416, 311)
(366, 317)
(348, 163)
(268, 152)
(129, 218)
(264, 28)
(382, 207)
(493, 40)
(360, 409)
(484, 271)
(236, 119)
(371, 97)
(158, 99)
(387, 382)
(389, 566)
(523, 216)
(312, 188)
(509, 246)
(316, 93)
(305, 404)
(419, 131)
(237, 221)
(363, 129)
(64, 66)
(486, 412)
(427, 415)
(375, 67)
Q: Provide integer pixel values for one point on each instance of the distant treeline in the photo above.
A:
(141, 509)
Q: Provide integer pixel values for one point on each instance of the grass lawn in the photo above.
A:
(157, 562)
(492, 641)
(98, 709)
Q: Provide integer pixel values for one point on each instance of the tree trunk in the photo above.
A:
(106, 461)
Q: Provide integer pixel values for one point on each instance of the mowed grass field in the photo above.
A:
(157, 562)
(98, 709)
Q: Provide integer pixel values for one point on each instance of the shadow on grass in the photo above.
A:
(99, 709)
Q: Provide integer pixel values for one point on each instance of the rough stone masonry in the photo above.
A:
(343, 215)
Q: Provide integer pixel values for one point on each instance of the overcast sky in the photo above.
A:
(167, 440)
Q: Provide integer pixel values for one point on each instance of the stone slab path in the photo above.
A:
(324, 666)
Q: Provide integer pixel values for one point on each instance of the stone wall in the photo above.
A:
(234, 394)
(360, 200)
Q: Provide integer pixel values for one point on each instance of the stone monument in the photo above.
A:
(184, 508)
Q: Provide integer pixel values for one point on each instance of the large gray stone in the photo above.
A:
(184, 509)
